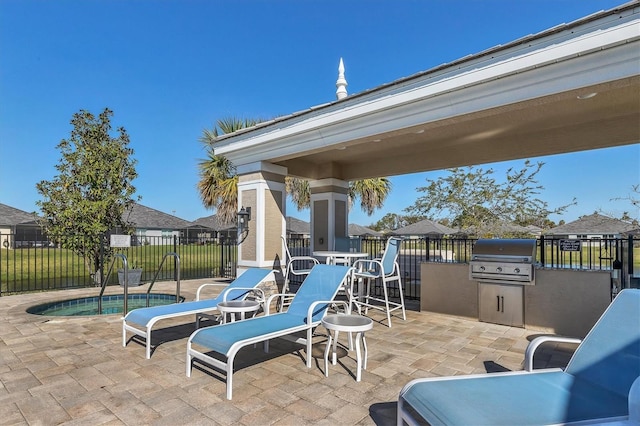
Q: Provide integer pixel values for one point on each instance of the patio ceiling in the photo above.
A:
(530, 98)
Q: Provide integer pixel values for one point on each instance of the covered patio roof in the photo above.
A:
(573, 87)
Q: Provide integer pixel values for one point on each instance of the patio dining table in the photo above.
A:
(343, 257)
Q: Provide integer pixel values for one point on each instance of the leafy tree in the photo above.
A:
(92, 190)
(472, 199)
(218, 185)
(393, 221)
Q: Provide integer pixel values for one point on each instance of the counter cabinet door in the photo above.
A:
(501, 304)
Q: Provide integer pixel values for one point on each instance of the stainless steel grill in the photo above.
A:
(508, 261)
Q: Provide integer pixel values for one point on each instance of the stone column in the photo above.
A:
(261, 187)
(329, 212)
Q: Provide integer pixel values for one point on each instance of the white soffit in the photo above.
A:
(598, 51)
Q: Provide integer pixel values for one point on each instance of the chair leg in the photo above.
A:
(404, 315)
(309, 346)
(367, 296)
(386, 302)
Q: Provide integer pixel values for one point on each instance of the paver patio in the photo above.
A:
(74, 370)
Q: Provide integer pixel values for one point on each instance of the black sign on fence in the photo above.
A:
(569, 245)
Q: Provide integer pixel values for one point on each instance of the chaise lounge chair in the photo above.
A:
(306, 311)
(147, 317)
(601, 383)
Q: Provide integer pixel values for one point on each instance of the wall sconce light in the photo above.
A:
(242, 222)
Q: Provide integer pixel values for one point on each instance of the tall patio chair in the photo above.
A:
(305, 313)
(240, 288)
(342, 244)
(385, 269)
(299, 266)
(601, 383)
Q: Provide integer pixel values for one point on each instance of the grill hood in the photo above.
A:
(507, 250)
(508, 261)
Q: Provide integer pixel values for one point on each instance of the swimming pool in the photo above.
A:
(111, 304)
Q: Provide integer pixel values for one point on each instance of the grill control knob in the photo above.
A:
(499, 269)
(517, 270)
(482, 268)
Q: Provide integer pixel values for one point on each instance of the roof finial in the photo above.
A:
(341, 84)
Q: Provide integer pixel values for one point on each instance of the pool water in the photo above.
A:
(112, 304)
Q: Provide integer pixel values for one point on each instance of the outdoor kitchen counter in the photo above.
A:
(564, 302)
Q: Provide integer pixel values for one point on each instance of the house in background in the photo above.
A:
(210, 229)
(297, 228)
(593, 227)
(425, 227)
(356, 230)
(153, 226)
(20, 229)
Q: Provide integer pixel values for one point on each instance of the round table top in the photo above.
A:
(343, 254)
(352, 323)
(239, 305)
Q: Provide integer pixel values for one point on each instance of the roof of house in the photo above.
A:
(359, 230)
(297, 226)
(10, 216)
(146, 217)
(213, 223)
(593, 224)
(424, 227)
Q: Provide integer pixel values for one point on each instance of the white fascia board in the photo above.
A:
(564, 62)
(260, 166)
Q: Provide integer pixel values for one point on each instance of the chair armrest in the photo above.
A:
(308, 258)
(325, 302)
(372, 266)
(208, 285)
(247, 290)
(533, 345)
(273, 296)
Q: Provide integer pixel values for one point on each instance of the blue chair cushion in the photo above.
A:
(142, 316)
(518, 399)
(220, 338)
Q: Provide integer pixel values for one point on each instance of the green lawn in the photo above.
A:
(49, 268)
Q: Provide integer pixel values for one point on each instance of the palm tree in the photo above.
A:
(218, 183)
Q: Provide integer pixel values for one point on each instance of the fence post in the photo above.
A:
(221, 243)
(630, 255)
(101, 271)
(542, 250)
(175, 260)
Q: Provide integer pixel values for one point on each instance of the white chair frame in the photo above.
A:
(385, 269)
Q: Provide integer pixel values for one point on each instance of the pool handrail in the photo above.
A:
(153, 281)
(125, 267)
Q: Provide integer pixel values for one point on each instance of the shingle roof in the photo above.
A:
(297, 226)
(10, 216)
(146, 217)
(213, 223)
(593, 224)
(359, 230)
(424, 227)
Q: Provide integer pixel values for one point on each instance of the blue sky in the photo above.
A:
(169, 69)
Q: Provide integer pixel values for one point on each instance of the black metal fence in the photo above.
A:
(41, 265)
(552, 253)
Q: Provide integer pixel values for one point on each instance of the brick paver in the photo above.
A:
(74, 371)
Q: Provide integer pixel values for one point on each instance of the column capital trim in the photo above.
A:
(261, 166)
(328, 182)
